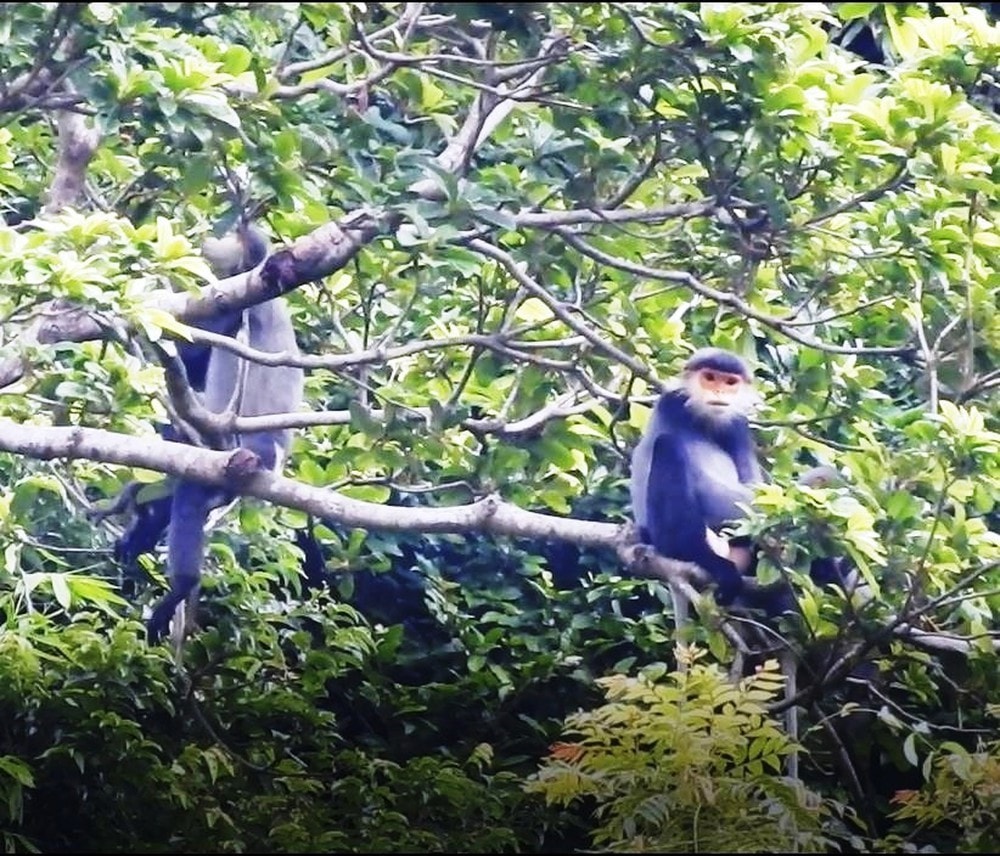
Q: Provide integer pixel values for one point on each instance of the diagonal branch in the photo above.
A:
(312, 257)
(725, 298)
(559, 310)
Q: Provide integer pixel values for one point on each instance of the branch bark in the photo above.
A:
(490, 515)
(312, 257)
(78, 140)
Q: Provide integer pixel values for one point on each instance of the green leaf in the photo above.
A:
(212, 104)
(850, 11)
(903, 31)
(236, 59)
(533, 310)
(61, 590)
(17, 770)
(431, 95)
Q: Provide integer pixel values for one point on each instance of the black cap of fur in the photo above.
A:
(718, 359)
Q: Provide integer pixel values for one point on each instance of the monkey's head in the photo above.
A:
(822, 476)
(235, 252)
(718, 385)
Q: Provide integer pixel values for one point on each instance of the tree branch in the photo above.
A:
(724, 298)
(490, 515)
(558, 309)
(78, 141)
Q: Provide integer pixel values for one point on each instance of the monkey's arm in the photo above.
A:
(125, 501)
(739, 443)
(234, 253)
(150, 515)
(150, 521)
(195, 357)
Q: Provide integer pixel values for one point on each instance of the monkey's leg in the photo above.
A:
(682, 615)
(720, 545)
(185, 550)
(682, 606)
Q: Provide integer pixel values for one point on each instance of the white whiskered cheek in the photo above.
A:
(717, 413)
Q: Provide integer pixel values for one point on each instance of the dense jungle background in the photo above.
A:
(501, 228)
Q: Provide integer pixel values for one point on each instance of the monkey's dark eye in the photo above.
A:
(732, 381)
(709, 376)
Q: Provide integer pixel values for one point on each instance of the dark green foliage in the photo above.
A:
(814, 186)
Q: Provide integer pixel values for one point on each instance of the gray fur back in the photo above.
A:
(264, 389)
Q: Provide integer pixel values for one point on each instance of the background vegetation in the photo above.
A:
(506, 226)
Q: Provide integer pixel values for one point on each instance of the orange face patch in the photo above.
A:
(719, 385)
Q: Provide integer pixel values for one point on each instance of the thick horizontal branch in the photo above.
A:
(491, 514)
(552, 219)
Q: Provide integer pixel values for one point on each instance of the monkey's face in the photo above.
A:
(718, 395)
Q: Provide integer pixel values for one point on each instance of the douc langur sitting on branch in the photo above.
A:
(694, 464)
(226, 383)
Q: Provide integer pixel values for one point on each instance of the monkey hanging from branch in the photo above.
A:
(224, 383)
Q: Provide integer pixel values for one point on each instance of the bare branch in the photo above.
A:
(929, 354)
(291, 93)
(491, 514)
(78, 141)
(527, 425)
(554, 219)
(635, 181)
(380, 355)
(491, 107)
(57, 321)
(410, 13)
(944, 641)
(559, 310)
(897, 179)
(724, 298)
